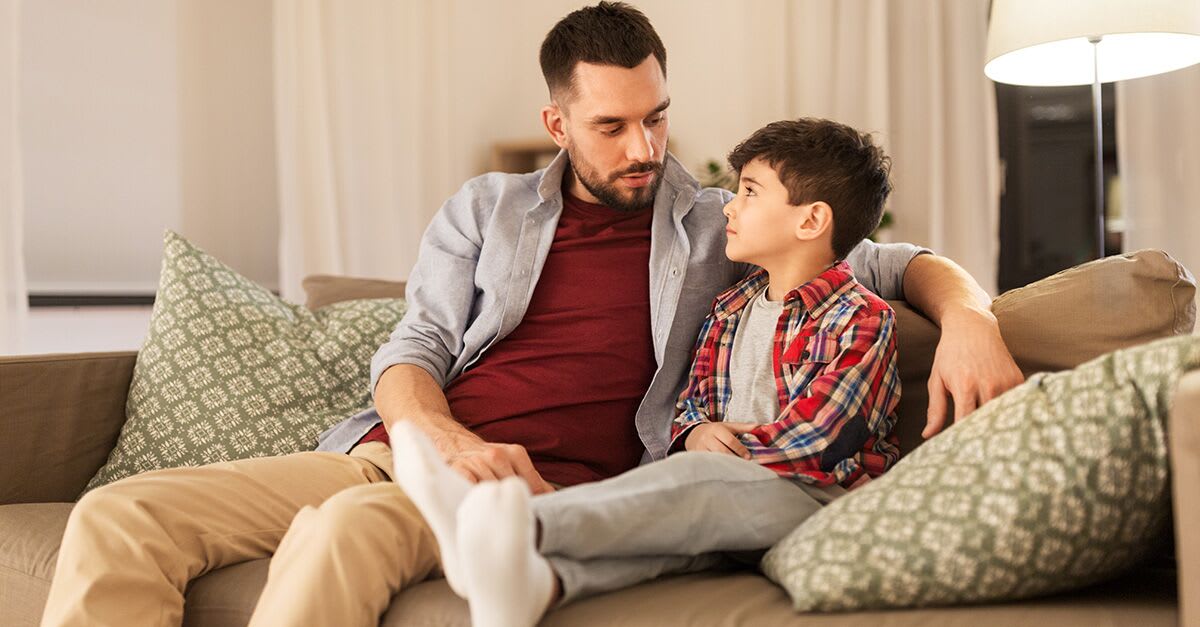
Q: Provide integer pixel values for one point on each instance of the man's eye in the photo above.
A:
(612, 132)
(655, 121)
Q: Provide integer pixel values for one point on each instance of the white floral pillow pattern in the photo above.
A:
(1059, 483)
(231, 371)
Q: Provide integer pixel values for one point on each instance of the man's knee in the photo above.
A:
(379, 506)
(112, 505)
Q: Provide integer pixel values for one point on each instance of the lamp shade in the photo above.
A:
(1046, 42)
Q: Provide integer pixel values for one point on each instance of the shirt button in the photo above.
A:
(674, 271)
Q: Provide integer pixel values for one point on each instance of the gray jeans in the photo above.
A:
(685, 513)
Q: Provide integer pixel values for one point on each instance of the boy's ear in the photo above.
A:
(555, 123)
(816, 219)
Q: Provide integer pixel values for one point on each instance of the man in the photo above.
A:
(551, 323)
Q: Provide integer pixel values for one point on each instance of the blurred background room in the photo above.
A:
(301, 137)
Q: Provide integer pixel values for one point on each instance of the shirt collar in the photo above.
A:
(814, 296)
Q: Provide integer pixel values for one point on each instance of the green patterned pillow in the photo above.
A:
(231, 371)
(1059, 483)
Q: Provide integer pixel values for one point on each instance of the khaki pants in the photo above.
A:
(344, 537)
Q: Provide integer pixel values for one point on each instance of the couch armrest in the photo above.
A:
(60, 416)
(1184, 439)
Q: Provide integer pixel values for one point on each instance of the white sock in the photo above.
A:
(509, 584)
(435, 489)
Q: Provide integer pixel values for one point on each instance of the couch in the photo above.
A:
(60, 415)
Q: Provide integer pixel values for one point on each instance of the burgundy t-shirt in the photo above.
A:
(566, 383)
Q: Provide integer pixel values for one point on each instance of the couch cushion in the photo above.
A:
(29, 539)
(59, 419)
(231, 371)
(326, 289)
(1058, 483)
(30, 535)
(1145, 599)
(1095, 308)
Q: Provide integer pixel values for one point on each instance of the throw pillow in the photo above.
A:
(1057, 484)
(231, 371)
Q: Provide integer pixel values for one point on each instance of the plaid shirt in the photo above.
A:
(835, 371)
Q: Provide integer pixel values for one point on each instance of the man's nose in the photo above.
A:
(640, 147)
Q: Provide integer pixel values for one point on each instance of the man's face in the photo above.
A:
(614, 128)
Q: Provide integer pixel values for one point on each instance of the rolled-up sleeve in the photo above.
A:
(440, 293)
(880, 267)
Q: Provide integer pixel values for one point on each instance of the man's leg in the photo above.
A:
(131, 547)
(341, 563)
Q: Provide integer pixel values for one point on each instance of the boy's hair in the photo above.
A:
(822, 160)
(610, 33)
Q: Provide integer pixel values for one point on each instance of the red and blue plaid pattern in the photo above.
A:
(835, 371)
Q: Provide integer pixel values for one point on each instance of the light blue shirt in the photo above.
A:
(482, 254)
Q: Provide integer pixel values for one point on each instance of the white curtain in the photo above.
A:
(912, 70)
(1158, 151)
(362, 129)
(13, 298)
(384, 108)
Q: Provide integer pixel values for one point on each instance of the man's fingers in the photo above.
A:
(481, 470)
(935, 418)
(465, 472)
(521, 463)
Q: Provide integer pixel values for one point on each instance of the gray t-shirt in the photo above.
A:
(753, 396)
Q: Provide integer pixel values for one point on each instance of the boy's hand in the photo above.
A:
(719, 437)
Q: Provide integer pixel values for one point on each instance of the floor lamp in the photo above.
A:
(1077, 42)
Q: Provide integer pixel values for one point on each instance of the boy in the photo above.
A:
(790, 402)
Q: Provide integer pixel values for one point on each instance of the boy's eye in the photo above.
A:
(749, 192)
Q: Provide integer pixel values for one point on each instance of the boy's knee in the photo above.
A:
(705, 466)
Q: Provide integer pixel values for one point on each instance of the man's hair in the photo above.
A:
(822, 160)
(610, 33)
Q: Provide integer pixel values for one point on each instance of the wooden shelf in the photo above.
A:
(523, 155)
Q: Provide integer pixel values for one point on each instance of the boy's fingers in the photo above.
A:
(740, 427)
(731, 442)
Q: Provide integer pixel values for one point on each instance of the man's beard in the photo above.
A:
(607, 192)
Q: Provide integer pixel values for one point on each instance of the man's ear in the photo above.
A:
(816, 219)
(555, 122)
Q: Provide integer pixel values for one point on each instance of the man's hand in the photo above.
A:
(719, 437)
(407, 392)
(487, 461)
(971, 364)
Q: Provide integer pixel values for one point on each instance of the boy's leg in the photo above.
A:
(131, 547)
(581, 579)
(688, 504)
(341, 563)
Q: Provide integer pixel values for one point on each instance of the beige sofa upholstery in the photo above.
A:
(61, 414)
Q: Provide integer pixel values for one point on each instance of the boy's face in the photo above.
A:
(762, 223)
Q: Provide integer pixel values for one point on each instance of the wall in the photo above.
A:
(141, 116)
